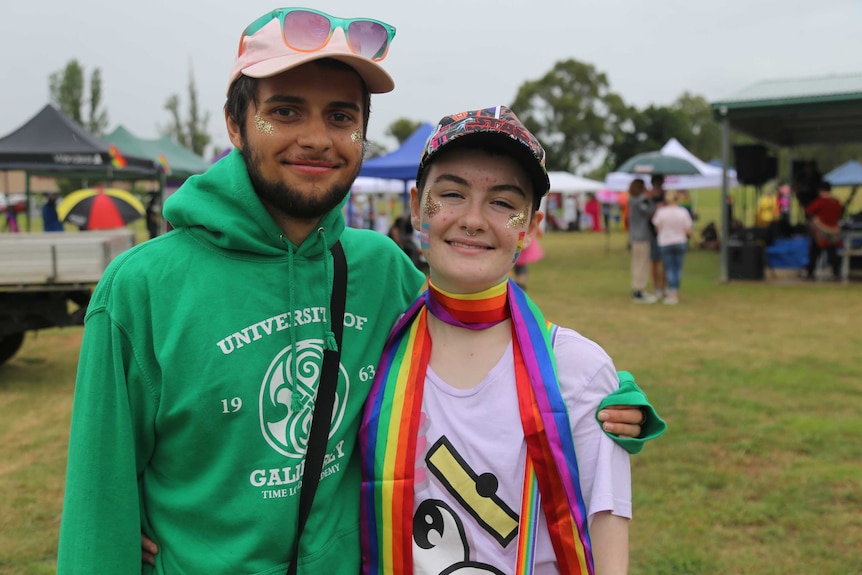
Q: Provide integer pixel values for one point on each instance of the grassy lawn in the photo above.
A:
(760, 472)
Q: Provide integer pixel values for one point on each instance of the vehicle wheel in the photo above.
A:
(9, 344)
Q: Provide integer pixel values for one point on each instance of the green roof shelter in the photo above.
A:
(789, 113)
(181, 163)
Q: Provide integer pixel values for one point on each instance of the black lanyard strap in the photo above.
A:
(323, 404)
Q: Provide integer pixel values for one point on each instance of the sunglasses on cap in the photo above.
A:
(307, 30)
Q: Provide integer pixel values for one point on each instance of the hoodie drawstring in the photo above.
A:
(295, 396)
(329, 343)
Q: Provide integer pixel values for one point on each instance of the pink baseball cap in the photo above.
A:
(265, 53)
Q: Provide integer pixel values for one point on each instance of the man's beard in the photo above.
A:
(289, 200)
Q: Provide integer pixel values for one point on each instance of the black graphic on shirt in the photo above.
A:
(442, 542)
(477, 493)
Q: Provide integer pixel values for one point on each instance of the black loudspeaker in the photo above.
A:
(753, 165)
(745, 260)
(771, 168)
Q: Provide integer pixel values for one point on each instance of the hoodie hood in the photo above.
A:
(222, 207)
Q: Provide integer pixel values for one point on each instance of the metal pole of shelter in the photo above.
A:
(789, 181)
(28, 193)
(725, 220)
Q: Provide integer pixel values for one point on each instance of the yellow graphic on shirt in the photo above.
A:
(476, 493)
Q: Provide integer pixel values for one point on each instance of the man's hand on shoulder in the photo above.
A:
(622, 420)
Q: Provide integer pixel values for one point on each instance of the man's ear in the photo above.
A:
(415, 200)
(233, 131)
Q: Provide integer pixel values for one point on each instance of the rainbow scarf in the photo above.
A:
(390, 427)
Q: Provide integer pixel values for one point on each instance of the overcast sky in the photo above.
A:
(448, 55)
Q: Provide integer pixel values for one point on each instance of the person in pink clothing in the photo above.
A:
(673, 223)
(529, 255)
(594, 211)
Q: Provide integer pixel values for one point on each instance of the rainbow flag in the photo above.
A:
(163, 163)
(117, 159)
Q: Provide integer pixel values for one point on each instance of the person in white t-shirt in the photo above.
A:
(478, 405)
(673, 223)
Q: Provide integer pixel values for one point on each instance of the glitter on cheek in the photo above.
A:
(262, 126)
(518, 220)
(431, 208)
(356, 136)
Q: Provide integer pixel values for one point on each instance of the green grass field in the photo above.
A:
(760, 472)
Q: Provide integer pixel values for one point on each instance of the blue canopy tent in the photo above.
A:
(847, 174)
(402, 163)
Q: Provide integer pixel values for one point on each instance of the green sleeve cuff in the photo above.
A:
(630, 394)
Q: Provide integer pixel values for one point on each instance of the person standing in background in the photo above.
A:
(641, 210)
(154, 215)
(673, 225)
(656, 194)
(50, 221)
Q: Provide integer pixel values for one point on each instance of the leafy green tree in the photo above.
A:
(67, 93)
(98, 118)
(573, 112)
(191, 131)
(703, 134)
(373, 149)
(402, 128)
(661, 123)
(689, 119)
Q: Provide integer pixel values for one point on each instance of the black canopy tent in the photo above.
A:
(51, 144)
(789, 113)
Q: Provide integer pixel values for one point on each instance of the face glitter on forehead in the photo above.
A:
(431, 208)
(518, 220)
(262, 126)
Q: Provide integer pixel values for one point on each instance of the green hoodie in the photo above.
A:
(187, 423)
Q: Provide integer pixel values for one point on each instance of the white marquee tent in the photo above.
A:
(369, 185)
(566, 183)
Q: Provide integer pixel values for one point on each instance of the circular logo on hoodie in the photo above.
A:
(287, 397)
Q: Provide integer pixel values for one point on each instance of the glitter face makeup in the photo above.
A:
(431, 208)
(518, 220)
(356, 136)
(262, 126)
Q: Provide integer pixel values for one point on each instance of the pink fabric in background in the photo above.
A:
(531, 254)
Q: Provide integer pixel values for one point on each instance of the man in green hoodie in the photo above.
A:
(203, 347)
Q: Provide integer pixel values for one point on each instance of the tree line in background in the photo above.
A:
(68, 94)
(587, 128)
(583, 124)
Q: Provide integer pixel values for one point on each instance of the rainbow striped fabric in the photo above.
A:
(391, 422)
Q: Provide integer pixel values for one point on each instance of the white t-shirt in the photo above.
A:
(673, 223)
(471, 455)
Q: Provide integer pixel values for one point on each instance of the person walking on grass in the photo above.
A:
(673, 225)
(192, 406)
